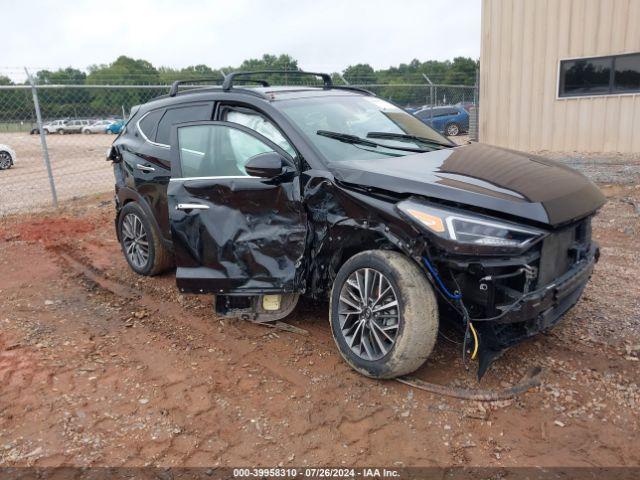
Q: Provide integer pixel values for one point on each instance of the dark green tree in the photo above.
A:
(124, 71)
(360, 74)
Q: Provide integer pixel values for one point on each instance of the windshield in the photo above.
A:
(357, 116)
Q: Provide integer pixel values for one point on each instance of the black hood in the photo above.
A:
(492, 178)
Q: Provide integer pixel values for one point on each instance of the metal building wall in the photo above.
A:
(522, 44)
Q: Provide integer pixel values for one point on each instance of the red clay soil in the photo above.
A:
(48, 230)
(101, 367)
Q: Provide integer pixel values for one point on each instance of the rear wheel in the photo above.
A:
(60, 131)
(383, 314)
(140, 241)
(452, 130)
(5, 161)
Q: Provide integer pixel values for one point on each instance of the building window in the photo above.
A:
(600, 76)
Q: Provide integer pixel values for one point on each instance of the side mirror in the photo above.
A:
(265, 165)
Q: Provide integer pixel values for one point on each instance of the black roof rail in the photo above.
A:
(214, 88)
(229, 79)
(175, 85)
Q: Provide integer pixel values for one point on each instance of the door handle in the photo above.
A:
(192, 206)
(145, 168)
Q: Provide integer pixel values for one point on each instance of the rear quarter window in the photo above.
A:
(149, 124)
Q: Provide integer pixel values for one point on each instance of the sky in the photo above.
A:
(323, 35)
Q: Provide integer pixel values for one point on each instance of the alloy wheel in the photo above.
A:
(135, 241)
(369, 314)
(453, 130)
(5, 160)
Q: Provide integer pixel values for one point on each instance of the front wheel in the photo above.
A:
(383, 314)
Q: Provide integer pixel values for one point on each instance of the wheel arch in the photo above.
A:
(127, 195)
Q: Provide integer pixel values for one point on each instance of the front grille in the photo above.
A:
(561, 249)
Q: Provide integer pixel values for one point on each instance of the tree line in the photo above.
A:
(389, 83)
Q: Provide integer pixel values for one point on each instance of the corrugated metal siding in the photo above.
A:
(522, 44)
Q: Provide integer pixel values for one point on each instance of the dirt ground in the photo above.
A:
(78, 165)
(100, 367)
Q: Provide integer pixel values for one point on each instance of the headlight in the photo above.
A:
(470, 232)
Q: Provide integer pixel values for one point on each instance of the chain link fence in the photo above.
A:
(80, 123)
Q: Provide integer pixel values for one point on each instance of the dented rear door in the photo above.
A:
(232, 233)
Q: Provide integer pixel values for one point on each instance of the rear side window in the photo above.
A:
(190, 113)
(149, 124)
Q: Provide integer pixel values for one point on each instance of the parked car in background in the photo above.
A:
(451, 120)
(73, 126)
(466, 105)
(115, 127)
(53, 126)
(7, 157)
(97, 127)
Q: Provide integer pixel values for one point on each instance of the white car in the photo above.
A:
(7, 157)
(56, 126)
(97, 127)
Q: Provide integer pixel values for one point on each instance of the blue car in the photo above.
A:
(115, 127)
(450, 120)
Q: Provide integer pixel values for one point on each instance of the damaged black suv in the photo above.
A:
(261, 195)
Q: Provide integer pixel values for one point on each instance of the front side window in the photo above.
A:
(216, 150)
(357, 116)
(600, 76)
(264, 127)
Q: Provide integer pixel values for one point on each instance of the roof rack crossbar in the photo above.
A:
(229, 79)
(175, 85)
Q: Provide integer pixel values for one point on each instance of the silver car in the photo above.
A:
(74, 126)
(98, 127)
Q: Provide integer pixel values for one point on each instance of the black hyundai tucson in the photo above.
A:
(261, 195)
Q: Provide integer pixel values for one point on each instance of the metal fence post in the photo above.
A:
(424, 75)
(475, 131)
(43, 140)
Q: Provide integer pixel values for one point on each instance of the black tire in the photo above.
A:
(417, 314)
(60, 131)
(5, 160)
(158, 258)
(452, 129)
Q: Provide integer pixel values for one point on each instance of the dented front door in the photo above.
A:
(232, 233)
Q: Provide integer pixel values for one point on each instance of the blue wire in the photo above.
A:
(435, 275)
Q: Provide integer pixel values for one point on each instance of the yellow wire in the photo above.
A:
(476, 343)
